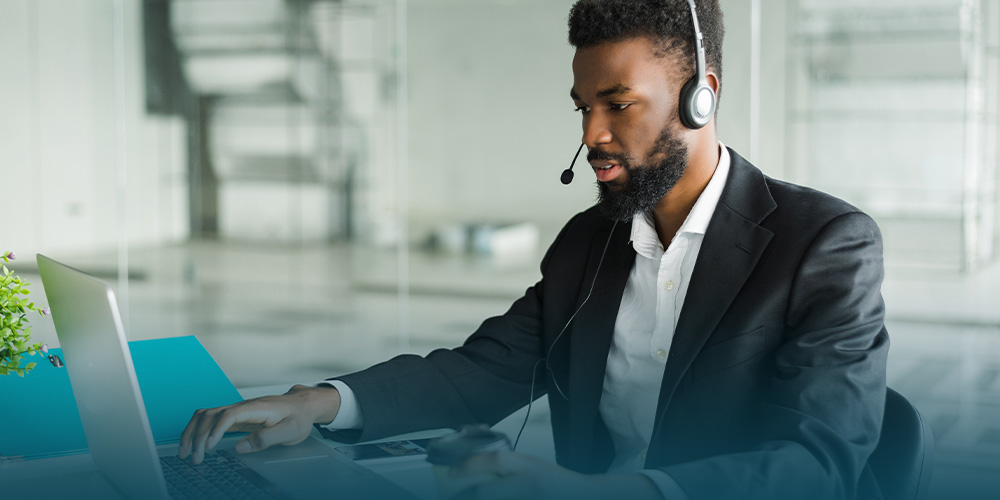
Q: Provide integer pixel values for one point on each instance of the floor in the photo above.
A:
(272, 314)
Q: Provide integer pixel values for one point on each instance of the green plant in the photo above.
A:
(14, 329)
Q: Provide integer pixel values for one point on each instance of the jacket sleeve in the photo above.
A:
(483, 381)
(822, 410)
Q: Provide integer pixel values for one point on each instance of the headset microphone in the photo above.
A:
(567, 175)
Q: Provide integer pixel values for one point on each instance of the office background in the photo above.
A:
(312, 186)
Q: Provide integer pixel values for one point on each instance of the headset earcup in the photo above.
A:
(688, 104)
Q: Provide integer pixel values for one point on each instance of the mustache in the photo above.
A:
(598, 154)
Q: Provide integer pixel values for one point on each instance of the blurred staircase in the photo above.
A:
(278, 138)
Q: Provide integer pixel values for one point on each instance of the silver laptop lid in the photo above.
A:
(100, 370)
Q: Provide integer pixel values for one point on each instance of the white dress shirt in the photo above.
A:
(644, 329)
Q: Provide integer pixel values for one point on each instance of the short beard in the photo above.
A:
(646, 184)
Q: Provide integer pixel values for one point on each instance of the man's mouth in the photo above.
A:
(606, 170)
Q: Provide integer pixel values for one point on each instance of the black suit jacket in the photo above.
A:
(774, 386)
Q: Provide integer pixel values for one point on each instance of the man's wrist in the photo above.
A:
(325, 403)
(349, 412)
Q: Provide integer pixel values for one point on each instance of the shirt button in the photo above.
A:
(642, 455)
(662, 354)
(668, 286)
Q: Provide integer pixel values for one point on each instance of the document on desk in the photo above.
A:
(176, 376)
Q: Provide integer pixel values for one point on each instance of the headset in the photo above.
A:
(697, 102)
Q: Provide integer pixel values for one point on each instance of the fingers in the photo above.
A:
(216, 427)
(185, 447)
(208, 426)
(189, 437)
(272, 420)
(202, 425)
(287, 432)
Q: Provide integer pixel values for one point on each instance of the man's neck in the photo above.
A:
(670, 213)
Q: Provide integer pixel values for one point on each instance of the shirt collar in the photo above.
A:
(644, 239)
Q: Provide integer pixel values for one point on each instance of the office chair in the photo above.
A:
(904, 457)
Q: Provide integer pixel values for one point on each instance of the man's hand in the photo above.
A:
(285, 419)
(521, 476)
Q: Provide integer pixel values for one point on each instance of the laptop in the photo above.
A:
(100, 369)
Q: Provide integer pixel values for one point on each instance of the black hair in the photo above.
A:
(666, 22)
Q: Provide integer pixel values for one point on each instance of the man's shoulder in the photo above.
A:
(796, 198)
(588, 221)
(581, 229)
(578, 235)
(592, 216)
(790, 208)
(798, 206)
(802, 213)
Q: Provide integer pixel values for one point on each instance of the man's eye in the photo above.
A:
(619, 106)
(583, 109)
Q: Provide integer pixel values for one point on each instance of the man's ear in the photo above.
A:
(713, 81)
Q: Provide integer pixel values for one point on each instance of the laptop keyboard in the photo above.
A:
(220, 476)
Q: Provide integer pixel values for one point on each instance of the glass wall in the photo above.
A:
(333, 181)
(894, 106)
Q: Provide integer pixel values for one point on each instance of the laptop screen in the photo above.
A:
(99, 365)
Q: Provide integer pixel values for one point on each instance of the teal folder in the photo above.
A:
(38, 415)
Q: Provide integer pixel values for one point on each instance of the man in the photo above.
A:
(704, 332)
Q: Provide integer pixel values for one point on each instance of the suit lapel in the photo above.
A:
(730, 250)
(733, 243)
(593, 327)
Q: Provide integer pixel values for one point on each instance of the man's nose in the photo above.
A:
(595, 130)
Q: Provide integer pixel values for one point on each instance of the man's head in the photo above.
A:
(665, 22)
(633, 57)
